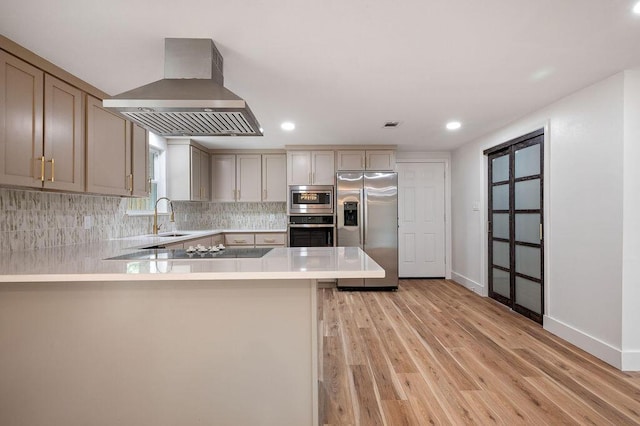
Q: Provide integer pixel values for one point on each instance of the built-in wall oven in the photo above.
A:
(311, 216)
(312, 231)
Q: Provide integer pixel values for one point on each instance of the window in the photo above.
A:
(157, 178)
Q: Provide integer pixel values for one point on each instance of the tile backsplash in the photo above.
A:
(36, 219)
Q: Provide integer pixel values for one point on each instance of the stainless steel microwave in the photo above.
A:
(310, 199)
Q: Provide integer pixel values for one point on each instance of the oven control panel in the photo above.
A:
(311, 220)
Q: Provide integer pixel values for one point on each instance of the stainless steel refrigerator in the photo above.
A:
(367, 215)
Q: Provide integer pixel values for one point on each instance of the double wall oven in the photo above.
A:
(311, 216)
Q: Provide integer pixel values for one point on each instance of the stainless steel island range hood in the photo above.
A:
(191, 99)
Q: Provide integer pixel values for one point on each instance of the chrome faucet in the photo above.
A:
(157, 227)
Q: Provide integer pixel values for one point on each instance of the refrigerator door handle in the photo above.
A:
(363, 216)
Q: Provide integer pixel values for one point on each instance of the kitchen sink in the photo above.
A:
(172, 234)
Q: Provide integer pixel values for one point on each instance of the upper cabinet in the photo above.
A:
(274, 177)
(310, 167)
(200, 190)
(108, 151)
(139, 161)
(366, 160)
(236, 177)
(42, 142)
(223, 178)
(248, 177)
(187, 172)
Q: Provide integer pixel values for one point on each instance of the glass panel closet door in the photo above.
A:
(500, 228)
(515, 225)
(527, 243)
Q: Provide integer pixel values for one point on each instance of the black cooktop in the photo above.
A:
(181, 254)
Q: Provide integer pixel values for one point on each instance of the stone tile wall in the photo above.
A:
(36, 219)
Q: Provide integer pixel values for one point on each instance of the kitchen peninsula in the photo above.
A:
(163, 342)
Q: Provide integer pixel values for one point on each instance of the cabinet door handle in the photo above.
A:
(313, 179)
(147, 187)
(53, 169)
(130, 177)
(41, 178)
(269, 240)
(310, 179)
(362, 164)
(239, 241)
(264, 196)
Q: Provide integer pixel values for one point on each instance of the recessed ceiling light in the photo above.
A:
(454, 125)
(288, 126)
(636, 8)
(261, 130)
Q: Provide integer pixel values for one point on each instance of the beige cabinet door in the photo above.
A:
(248, 177)
(205, 176)
(139, 161)
(274, 177)
(179, 171)
(351, 160)
(63, 137)
(323, 168)
(380, 160)
(231, 240)
(21, 104)
(223, 178)
(299, 167)
(196, 187)
(108, 151)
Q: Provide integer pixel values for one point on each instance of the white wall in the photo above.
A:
(631, 219)
(584, 144)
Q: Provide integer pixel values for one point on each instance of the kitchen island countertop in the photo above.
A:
(87, 262)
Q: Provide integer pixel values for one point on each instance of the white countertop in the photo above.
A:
(86, 262)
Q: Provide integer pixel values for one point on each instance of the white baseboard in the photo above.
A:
(594, 346)
(631, 361)
(468, 283)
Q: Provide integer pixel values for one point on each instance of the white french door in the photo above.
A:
(421, 224)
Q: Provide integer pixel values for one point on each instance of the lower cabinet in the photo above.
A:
(239, 240)
(258, 239)
(234, 239)
(271, 239)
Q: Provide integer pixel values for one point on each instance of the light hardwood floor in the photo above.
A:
(435, 353)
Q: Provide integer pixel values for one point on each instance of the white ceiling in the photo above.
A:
(340, 69)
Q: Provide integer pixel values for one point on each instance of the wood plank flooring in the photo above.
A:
(435, 353)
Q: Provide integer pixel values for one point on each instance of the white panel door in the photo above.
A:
(421, 228)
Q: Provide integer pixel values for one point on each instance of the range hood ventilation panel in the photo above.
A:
(191, 100)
